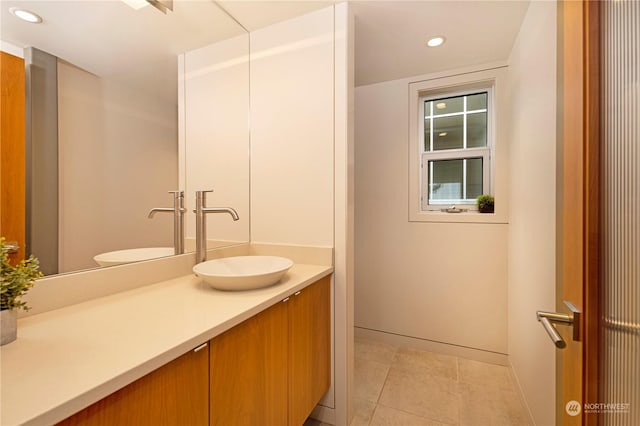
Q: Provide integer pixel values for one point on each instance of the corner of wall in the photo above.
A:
(532, 232)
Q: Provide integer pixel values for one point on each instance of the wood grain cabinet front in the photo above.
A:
(273, 368)
(309, 349)
(175, 394)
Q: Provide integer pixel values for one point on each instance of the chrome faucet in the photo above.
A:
(178, 211)
(201, 222)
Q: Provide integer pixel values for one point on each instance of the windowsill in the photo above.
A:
(471, 216)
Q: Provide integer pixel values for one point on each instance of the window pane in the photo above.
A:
(447, 105)
(474, 178)
(478, 101)
(447, 180)
(477, 130)
(427, 135)
(447, 132)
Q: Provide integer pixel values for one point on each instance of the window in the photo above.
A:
(458, 145)
(455, 147)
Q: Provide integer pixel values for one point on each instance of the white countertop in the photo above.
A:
(69, 358)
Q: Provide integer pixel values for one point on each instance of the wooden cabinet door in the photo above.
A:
(249, 371)
(309, 349)
(175, 394)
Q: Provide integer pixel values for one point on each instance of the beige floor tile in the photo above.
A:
(362, 412)
(386, 416)
(375, 351)
(369, 377)
(512, 410)
(426, 364)
(481, 373)
(435, 398)
(490, 406)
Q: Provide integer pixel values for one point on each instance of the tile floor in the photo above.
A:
(400, 386)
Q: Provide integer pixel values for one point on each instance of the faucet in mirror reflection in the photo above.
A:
(178, 211)
(201, 222)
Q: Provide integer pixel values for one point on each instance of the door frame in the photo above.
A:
(578, 280)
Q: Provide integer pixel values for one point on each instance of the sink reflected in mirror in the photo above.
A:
(120, 257)
(243, 272)
(116, 128)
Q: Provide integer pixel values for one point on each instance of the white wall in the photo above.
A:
(444, 282)
(292, 75)
(295, 140)
(300, 176)
(118, 158)
(532, 208)
(302, 158)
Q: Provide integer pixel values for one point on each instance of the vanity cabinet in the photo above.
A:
(174, 394)
(309, 351)
(273, 368)
(249, 371)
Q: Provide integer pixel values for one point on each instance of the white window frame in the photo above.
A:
(438, 85)
(458, 154)
(455, 154)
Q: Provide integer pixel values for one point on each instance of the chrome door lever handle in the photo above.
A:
(547, 319)
(553, 333)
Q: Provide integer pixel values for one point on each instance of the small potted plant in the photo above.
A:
(15, 281)
(485, 203)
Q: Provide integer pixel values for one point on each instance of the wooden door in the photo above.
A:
(12, 152)
(175, 394)
(309, 349)
(248, 371)
(578, 205)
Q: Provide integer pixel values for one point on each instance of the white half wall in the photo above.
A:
(442, 282)
(532, 231)
(302, 160)
(292, 133)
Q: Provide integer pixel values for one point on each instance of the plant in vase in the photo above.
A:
(485, 203)
(15, 282)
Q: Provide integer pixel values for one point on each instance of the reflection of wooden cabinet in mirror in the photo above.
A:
(12, 168)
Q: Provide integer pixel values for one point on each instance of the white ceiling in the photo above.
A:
(113, 40)
(254, 15)
(390, 39)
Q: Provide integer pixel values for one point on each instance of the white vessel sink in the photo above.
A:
(120, 257)
(243, 272)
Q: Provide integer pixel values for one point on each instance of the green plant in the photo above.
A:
(485, 203)
(15, 281)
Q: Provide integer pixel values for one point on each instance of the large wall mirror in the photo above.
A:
(147, 102)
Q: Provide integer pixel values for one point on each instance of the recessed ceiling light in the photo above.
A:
(435, 41)
(25, 15)
(442, 134)
(441, 105)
